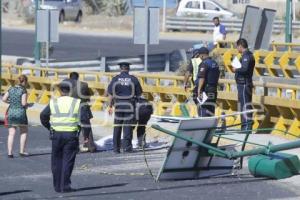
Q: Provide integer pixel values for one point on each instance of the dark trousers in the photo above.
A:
(144, 116)
(65, 146)
(125, 121)
(207, 109)
(85, 116)
(245, 103)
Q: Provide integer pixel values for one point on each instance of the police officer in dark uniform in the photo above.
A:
(61, 118)
(206, 82)
(243, 77)
(144, 110)
(123, 90)
(80, 90)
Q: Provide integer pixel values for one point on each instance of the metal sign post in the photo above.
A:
(0, 46)
(146, 28)
(147, 36)
(37, 45)
(288, 21)
(164, 16)
(47, 28)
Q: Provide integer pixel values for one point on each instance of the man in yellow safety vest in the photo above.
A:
(192, 69)
(62, 118)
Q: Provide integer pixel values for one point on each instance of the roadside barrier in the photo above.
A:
(279, 104)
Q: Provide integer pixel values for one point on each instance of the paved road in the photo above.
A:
(109, 176)
(84, 47)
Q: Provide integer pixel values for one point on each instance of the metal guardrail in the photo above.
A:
(283, 60)
(156, 63)
(202, 24)
(281, 102)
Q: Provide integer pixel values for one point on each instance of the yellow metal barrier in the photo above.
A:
(284, 59)
(279, 103)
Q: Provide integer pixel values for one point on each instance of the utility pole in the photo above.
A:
(288, 21)
(37, 45)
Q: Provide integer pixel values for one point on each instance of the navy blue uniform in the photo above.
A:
(209, 71)
(65, 146)
(144, 111)
(124, 88)
(243, 77)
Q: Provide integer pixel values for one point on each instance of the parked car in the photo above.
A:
(68, 9)
(205, 8)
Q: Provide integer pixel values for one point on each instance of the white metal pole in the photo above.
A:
(164, 16)
(294, 10)
(147, 35)
(43, 2)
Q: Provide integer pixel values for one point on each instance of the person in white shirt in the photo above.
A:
(219, 31)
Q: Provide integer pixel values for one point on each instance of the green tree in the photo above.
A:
(109, 7)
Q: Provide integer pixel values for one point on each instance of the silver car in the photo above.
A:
(68, 9)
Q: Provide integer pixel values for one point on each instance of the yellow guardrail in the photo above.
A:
(279, 103)
(282, 60)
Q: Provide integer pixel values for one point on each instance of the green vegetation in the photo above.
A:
(108, 7)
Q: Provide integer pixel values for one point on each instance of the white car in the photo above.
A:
(204, 8)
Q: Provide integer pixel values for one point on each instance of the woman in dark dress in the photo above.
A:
(16, 97)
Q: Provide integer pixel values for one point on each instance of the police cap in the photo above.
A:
(64, 86)
(196, 53)
(203, 50)
(125, 65)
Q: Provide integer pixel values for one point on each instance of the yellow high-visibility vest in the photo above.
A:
(65, 114)
(195, 62)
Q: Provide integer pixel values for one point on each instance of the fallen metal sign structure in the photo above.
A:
(194, 154)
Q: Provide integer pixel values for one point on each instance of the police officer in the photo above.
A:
(80, 90)
(61, 117)
(122, 91)
(192, 69)
(243, 78)
(144, 110)
(206, 82)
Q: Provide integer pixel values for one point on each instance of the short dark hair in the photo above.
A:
(216, 18)
(64, 86)
(74, 75)
(243, 42)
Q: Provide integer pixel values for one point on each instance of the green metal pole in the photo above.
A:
(212, 149)
(37, 45)
(288, 21)
(266, 150)
(231, 154)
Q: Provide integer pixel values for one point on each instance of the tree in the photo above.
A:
(109, 7)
